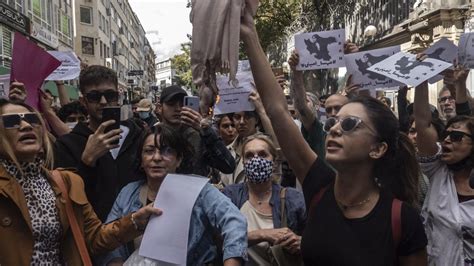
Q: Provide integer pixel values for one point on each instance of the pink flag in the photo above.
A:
(31, 65)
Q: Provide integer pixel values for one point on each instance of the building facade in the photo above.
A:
(415, 25)
(164, 73)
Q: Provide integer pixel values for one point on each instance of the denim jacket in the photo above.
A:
(212, 212)
(294, 206)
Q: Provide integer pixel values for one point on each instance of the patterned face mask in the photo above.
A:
(258, 170)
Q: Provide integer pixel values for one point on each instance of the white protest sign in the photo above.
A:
(444, 50)
(320, 50)
(358, 63)
(234, 99)
(466, 50)
(4, 86)
(405, 68)
(70, 67)
(166, 236)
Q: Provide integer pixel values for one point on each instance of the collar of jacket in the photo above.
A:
(10, 188)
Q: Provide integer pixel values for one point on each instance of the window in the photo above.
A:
(86, 15)
(100, 49)
(87, 45)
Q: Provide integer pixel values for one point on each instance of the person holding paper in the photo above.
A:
(449, 204)
(260, 201)
(34, 226)
(350, 209)
(213, 215)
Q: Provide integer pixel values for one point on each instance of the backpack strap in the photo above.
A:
(316, 199)
(396, 222)
(284, 221)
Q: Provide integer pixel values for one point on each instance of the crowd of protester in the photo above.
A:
(339, 179)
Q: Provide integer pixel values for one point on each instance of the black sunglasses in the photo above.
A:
(348, 124)
(455, 136)
(11, 121)
(109, 95)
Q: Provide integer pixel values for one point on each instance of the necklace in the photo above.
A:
(345, 206)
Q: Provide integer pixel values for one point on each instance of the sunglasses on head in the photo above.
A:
(348, 124)
(14, 120)
(455, 136)
(109, 95)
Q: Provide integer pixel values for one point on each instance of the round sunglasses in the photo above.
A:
(348, 124)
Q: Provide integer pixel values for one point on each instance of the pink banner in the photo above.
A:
(31, 65)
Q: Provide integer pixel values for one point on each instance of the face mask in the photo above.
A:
(144, 115)
(258, 170)
(71, 125)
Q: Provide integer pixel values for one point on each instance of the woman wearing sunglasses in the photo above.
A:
(350, 219)
(449, 205)
(34, 226)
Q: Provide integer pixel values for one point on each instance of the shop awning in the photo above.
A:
(72, 91)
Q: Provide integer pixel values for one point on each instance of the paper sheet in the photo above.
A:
(444, 50)
(4, 86)
(31, 65)
(466, 50)
(166, 236)
(320, 50)
(70, 67)
(404, 68)
(358, 63)
(234, 99)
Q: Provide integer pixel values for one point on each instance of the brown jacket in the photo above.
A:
(16, 239)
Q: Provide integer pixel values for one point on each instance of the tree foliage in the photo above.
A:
(181, 64)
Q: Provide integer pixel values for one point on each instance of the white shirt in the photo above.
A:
(124, 134)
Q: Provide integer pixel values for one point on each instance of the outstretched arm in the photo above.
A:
(296, 150)
(426, 133)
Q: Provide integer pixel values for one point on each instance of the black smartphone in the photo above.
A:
(191, 102)
(111, 113)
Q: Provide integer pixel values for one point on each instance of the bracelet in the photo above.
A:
(134, 222)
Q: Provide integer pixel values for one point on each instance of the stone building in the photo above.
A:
(414, 25)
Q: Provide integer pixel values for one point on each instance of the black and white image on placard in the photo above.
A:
(466, 50)
(320, 50)
(357, 65)
(444, 50)
(405, 68)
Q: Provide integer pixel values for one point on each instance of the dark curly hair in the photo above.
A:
(169, 137)
(96, 75)
(71, 108)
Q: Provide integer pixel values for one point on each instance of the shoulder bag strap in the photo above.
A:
(76, 232)
(396, 221)
(316, 199)
(284, 222)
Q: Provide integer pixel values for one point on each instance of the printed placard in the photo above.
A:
(234, 99)
(444, 50)
(358, 63)
(466, 50)
(70, 67)
(320, 50)
(405, 68)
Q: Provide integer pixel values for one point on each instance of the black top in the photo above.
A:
(332, 239)
(104, 181)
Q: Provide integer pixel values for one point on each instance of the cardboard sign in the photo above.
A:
(234, 99)
(466, 50)
(444, 50)
(31, 65)
(405, 68)
(4, 86)
(70, 67)
(358, 63)
(320, 50)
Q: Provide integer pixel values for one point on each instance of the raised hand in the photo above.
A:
(100, 143)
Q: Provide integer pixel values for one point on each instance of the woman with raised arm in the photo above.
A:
(449, 205)
(353, 218)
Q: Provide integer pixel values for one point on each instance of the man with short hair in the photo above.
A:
(209, 149)
(334, 103)
(105, 165)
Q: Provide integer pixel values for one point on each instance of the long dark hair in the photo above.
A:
(168, 137)
(398, 170)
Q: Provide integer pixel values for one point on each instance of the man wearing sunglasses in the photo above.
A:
(105, 159)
